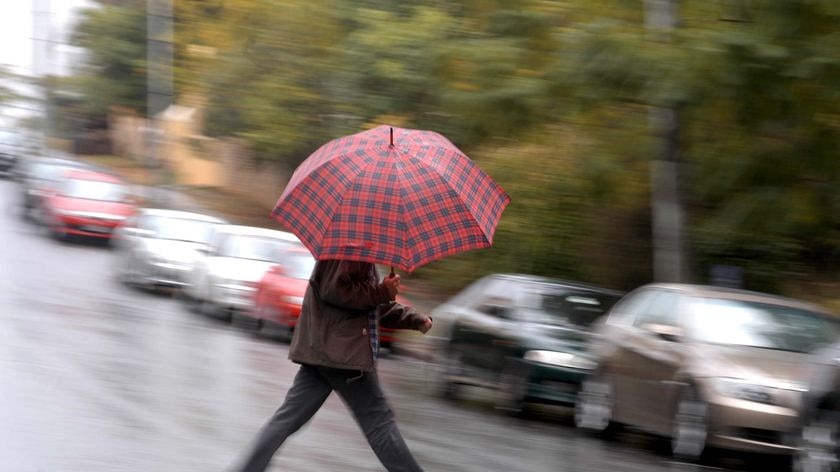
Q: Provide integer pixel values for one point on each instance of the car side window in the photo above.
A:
(627, 310)
(662, 310)
(497, 307)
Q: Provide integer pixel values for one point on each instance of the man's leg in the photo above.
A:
(365, 398)
(305, 397)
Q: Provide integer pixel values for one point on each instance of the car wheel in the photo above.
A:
(513, 389)
(819, 444)
(129, 270)
(25, 211)
(594, 407)
(690, 426)
(452, 370)
(59, 233)
(119, 269)
(207, 307)
(193, 302)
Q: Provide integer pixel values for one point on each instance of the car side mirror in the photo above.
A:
(666, 332)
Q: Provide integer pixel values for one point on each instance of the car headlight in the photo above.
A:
(236, 284)
(743, 390)
(63, 212)
(561, 359)
(292, 300)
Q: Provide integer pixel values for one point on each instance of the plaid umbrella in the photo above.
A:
(391, 196)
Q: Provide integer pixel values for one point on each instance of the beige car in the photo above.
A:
(704, 366)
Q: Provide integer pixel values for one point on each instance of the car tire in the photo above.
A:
(451, 369)
(207, 307)
(512, 394)
(129, 273)
(276, 330)
(689, 426)
(818, 445)
(25, 212)
(594, 407)
(59, 233)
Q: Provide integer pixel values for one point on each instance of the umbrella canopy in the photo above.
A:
(391, 196)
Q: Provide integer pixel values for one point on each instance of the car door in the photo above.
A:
(199, 282)
(477, 329)
(613, 347)
(499, 339)
(654, 358)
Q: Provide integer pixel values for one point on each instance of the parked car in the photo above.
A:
(158, 247)
(818, 441)
(704, 366)
(225, 279)
(10, 149)
(86, 203)
(280, 291)
(39, 175)
(523, 336)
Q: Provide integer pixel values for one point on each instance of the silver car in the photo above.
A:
(704, 366)
(158, 248)
(224, 281)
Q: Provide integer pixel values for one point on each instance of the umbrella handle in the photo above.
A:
(392, 271)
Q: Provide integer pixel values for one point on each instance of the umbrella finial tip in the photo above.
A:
(392, 136)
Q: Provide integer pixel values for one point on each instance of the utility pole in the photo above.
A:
(159, 81)
(666, 204)
(41, 60)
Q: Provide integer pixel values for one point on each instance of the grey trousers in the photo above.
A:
(361, 394)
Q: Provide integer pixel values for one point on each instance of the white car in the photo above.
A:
(158, 248)
(225, 280)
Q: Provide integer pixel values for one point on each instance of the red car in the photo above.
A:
(280, 293)
(86, 203)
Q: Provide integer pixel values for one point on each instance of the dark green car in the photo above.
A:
(522, 336)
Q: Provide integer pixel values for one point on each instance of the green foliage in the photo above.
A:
(114, 34)
(553, 100)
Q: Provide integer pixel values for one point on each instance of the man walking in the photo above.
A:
(336, 343)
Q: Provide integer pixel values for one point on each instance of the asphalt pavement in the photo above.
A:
(97, 376)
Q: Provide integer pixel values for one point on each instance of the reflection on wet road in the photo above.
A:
(96, 376)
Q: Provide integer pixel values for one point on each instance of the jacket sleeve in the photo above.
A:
(397, 316)
(343, 287)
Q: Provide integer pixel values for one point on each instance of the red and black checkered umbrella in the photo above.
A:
(391, 196)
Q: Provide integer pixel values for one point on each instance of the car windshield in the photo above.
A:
(569, 309)
(94, 190)
(298, 265)
(47, 170)
(257, 248)
(744, 323)
(180, 229)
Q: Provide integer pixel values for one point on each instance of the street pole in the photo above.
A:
(41, 47)
(666, 204)
(159, 82)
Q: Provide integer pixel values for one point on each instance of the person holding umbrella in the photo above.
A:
(336, 344)
(390, 196)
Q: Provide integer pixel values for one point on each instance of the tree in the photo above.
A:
(114, 35)
(760, 125)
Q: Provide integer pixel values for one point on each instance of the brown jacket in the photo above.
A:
(332, 330)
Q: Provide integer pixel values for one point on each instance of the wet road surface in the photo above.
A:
(96, 376)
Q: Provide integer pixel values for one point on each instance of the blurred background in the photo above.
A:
(640, 141)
